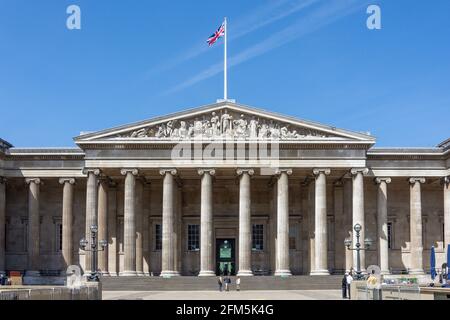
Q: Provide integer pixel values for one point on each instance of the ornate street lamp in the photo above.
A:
(94, 276)
(358, 248)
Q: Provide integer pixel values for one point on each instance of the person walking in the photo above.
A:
(238, 284)
(344, 286)
(349, 279)
(220, 283)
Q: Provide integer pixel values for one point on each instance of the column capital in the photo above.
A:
(171, 171)
(94, 171)
(241, 171)
(68, 180)
(133, 171)
(34, 180)
(317, 171)
(279, 171)
(413, 180)
(355, 171)
(211, 171)
(379, 180)
(445, 181)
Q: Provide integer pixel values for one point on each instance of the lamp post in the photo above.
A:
(94, 249)
(358, 248)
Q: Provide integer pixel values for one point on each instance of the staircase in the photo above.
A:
(210, 283)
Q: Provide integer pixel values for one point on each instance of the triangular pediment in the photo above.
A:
(223, 120)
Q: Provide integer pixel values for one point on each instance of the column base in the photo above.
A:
(176, 274)
(127, 273)
(113, 274)
(207, 273)
(140, 273)
(167, 273)
(32, 273)
(385, 272)
(416, 271)
(105, 273)
(323, 272)
(245, 273)
(283, 273)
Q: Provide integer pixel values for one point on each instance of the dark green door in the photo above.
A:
(225, 257)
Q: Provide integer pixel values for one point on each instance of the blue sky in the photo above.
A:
(313, 59)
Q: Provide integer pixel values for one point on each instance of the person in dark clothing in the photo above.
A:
(344, 286)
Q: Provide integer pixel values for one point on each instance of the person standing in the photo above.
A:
(344, 286)
(227, 283)
(349, 279)
(238, 284)
(220, 283)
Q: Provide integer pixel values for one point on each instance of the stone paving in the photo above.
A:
(230, 295)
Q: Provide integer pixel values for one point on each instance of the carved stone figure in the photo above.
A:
(215, 124)
(240, 127)
(183, 131)
(253, 128)
(226, 123)
(263, 131)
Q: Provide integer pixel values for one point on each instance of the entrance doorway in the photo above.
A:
(225, 257)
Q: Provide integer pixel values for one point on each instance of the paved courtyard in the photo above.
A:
(231, 295)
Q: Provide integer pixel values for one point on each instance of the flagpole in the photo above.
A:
(225, 89)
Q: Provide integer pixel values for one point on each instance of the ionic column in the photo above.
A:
(67, 221)
(282, 249)
(206, 224)
(129, 217)
(348, 222)
(358, 211)
(321, 241)
(383, 245)
(33, 226)
(446, 185)
(177, 227)
(139, 229)
(339, 225)
(91, 210)
(103, 224)
(168, 213)
(415, 226)
(245, 223)
(2, 224)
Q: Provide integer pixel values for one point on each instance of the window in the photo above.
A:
(293, 237)
(193, 237)
(59, 236)
(389, 234)
(158, 237)
(258, 237)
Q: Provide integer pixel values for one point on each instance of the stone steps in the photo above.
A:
(210, 283)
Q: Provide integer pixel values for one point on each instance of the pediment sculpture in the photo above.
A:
(224, 126)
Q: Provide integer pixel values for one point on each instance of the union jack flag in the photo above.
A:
(216, 35)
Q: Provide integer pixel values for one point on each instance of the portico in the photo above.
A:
(166, 192)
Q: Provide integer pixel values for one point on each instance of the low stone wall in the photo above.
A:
(88, 291)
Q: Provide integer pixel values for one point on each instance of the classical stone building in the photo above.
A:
(186, 194)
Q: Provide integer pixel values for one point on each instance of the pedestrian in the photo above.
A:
(227, 283)
(2, 279)
(344, 286)
(349, 279)
(238, 284)
(220, 282)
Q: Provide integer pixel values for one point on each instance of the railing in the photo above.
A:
(85, 292)
(388, 292)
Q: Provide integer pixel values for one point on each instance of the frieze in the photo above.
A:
(225, 125)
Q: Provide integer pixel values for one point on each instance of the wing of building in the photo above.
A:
(223, 188)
